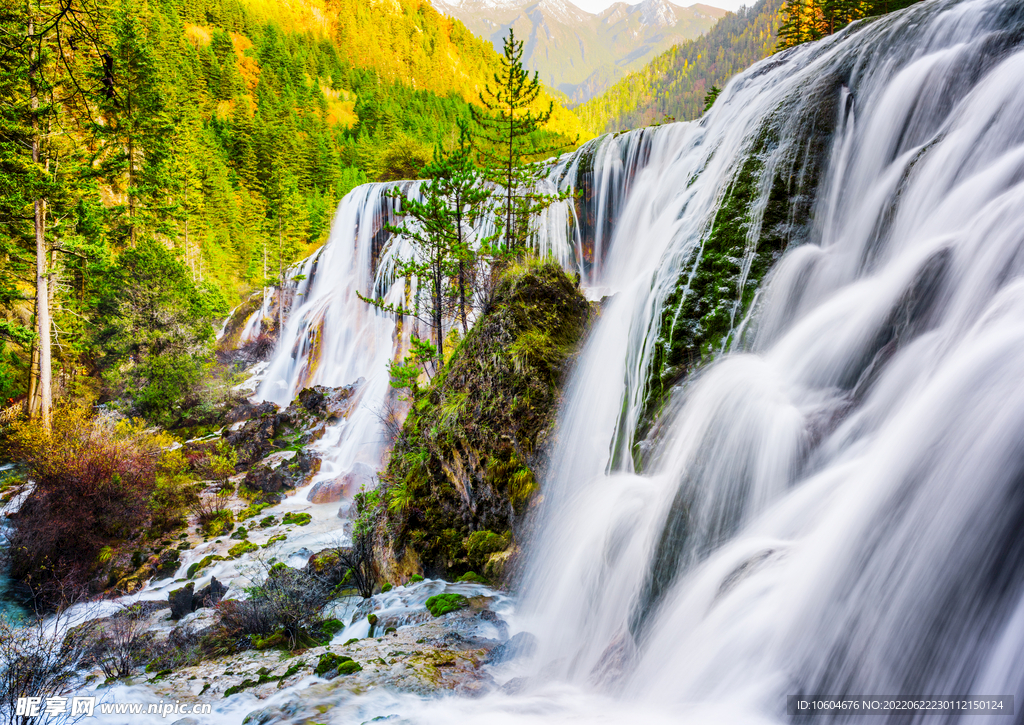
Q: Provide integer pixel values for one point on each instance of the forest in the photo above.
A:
(159, 161)
(349, 377)
(675, 85)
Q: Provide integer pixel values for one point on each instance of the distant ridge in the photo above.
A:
(674, 83)
(580, 53)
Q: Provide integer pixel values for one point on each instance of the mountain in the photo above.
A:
(581, 53)
(674, 83)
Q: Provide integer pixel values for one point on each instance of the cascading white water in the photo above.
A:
(831, 503)
(834, 506)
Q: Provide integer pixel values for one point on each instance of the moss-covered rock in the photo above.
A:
(219, 524)
(297, 519)
(766, 208)
(331, 663)
(440, 604)
(243, 548)
(472, 446)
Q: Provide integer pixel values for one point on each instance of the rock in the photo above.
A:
(521, 645)
(271, 474)
(488, 616)
(248, 411)
(515, 686)
(326, 403)
(199, 622)
(279, 471)
(209, 595)
(345, 486)
(256, 438)
(186, 721)
(309, 464)
(167, 564)
(501, 564)
(181, 601)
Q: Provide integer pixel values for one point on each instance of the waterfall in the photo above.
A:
(820, 493)
(789, 458)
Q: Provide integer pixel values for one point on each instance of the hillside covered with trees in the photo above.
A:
(679, 84)
(673, 85)
(159, 160)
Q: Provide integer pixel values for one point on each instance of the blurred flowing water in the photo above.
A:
(832, 502)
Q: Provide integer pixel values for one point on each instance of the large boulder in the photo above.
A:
(282, 471)
(209, 595)
(186, 600)
(523, 644)
(327, 403)
(181, 601)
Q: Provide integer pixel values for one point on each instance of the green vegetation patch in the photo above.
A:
(480, 424)
(330, 662)
(716, 288)
(443, 603)
(273, 540)
(243, 548)
(297, 519)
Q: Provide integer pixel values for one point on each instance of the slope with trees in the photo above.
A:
(223, 131)
(674, 84)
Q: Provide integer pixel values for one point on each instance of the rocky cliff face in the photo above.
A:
(468, 458)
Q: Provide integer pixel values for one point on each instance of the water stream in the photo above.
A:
(831, 503)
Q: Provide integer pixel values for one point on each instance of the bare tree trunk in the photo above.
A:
(280, 279)
(462, 264)
(32, 404)
(42, 293)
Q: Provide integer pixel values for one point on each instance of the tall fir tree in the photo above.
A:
(509, 137)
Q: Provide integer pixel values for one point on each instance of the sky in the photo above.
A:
(593, 6)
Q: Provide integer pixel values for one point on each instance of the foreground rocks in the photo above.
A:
(425, 656)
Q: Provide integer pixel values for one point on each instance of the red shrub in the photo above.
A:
(93, 483)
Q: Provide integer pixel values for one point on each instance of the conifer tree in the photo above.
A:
(135, 127)
(441, 228)
(509, 137)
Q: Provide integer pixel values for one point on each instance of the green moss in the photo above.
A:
(415, 578)
(329, 662)
(194, 568)
(221, 523)
(246, 684)
(240, 533)
(297, 519)
(242, 548)
(349, 668)
(443, 603)
(351, 641)
(480, 424)
(470, 576)
(267, 521)
(332, 626)
(252, 510)
(481, 544)
(272, 641)
(714, 293)
(386, 587)
(274, 539)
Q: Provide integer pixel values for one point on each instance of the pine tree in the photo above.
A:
(441, 230)
(135, 127)
(509, 137)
